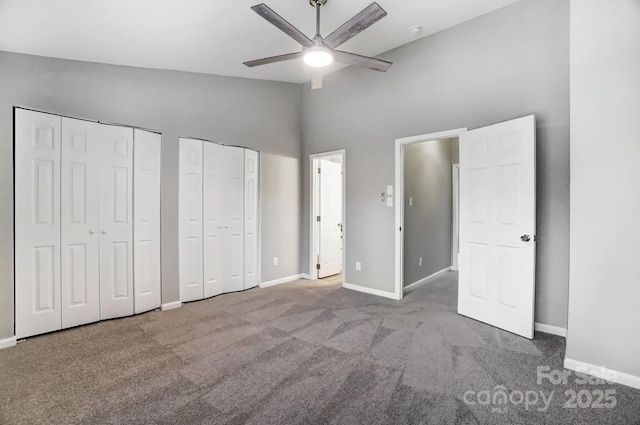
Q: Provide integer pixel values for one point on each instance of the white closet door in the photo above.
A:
(80, 218)
(213, 220)
(190, 211)
(37, 223)
(116, 222)
(250, 218)
(146, 220)
(233, 204)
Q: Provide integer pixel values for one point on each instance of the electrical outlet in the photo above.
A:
(420, 261)
(275, 261)
(358, 266)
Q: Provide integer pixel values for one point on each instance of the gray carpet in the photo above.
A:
(300, 353)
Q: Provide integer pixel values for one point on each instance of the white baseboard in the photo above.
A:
(171, 306)
(425, 279)
(305, 276)
(8, 342)
(549, 329)
(371, 291)
(283, 280)
(603, 372)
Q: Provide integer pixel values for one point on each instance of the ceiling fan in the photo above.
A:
(321, 51)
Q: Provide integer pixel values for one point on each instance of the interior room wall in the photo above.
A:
(257, 114)
(503, 65)
(604, 316)
(428, 218)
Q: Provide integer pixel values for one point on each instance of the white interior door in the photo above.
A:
(213, 221)
(80, 206)
(497, 225)
(251, 174)
(233, 222)
(147, 274)
(190, 212)
(37, 223)
(116, 222)
(330, 226)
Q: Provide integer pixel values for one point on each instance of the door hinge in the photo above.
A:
(317, 266)
(318, 170)
(318, 218)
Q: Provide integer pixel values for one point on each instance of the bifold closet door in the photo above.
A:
(251, 174)
(233, 219)
(80, 218)
(190, 218)
(116, 221)
(37, 223)
(213, 191)
(146, 220)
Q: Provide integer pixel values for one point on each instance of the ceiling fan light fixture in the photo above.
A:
(318, 56)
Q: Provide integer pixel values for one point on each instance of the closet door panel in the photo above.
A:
(251, 174)
(146, 220)
(116, 222)
(233, 204)
(190, 218)
(80, 209)
(37, 223)
(213, 221)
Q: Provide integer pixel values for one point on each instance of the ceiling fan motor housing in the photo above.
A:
(317, 3)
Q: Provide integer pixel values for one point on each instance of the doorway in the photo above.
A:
(429, 206)
(327, 216)
(496, 281)
(402, 204)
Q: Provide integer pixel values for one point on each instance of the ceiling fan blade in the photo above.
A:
(273, 59)
(267, 13)
(363, 20)
(363, 61)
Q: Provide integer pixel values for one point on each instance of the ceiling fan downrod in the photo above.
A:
(317, 4)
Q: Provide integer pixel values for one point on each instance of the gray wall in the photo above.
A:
(503, 65)
(427, 223)
(604, 316)
(257, 114)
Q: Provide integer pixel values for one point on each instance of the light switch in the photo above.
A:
(389, 201)
(390, 190)
(410, 201)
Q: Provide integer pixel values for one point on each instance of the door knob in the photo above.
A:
(104, 232)
(91, 232)
(525, 238)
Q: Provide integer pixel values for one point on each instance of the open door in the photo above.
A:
(330, 194)
(497, 225)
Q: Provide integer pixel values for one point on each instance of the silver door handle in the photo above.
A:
(525, 238)
(104, 232)
(91, 232)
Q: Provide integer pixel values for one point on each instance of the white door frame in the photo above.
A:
(313, 211)
(399, 183)
(455, 222)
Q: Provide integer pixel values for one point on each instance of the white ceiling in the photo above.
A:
(211, 36)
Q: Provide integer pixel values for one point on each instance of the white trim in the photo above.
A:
(282, 280)
(371, 291)
(603, 372)
(313, 234)
(8, 342)
(305, 276)
(171, 306)
(455, 220)
(399, 189)
(549, 329)
(425, 279)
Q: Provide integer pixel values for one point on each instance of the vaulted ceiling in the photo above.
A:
(212, 36)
